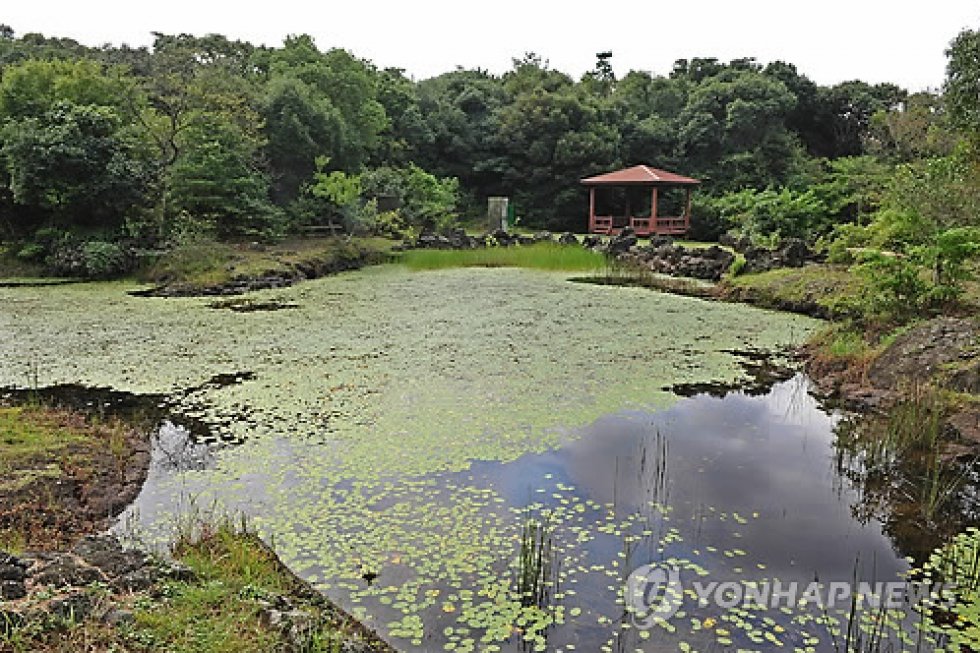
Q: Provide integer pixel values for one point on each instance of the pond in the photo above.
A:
(406, 440)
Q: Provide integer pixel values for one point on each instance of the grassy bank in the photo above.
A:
(819, 290)
(541, 256)
(208, 263)
(619, 274)
(234, 595)
(62, 474)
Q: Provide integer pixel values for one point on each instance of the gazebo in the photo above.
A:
(643, 178)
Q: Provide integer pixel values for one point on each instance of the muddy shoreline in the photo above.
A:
(63, 511)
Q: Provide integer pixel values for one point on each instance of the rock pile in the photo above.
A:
(459, 239)
(708, 263)
(42, 586)
(791, 253)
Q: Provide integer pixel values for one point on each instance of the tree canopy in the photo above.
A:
(236, 137)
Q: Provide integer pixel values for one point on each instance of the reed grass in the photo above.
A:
(537, 568)
(541, 256)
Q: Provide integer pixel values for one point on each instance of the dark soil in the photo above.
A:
(59, 496)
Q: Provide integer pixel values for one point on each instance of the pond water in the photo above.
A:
(397, 436)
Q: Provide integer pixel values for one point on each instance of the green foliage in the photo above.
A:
(34, 87)
(950, 255)
(323, 102)
(101, 259)
(392, 224)
(771, 215)
(957, 565)
(69, 152)
(336, 187)
(927, 277)
(423, 200)
(921, 245)
(914, 130)
(852, 187)
(737, 266)
(74, 163)
(226, 135)
(31, 252)
(430, 202)
(67, 255)
(733, 130)
(962, 89)
(896, 291)
(942, 191)
(300, 126)
(217, 180)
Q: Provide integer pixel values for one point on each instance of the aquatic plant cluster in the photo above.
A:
(359, 415)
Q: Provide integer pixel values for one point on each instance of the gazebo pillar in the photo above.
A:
(653, 210)
(592, 209)
(687, 210)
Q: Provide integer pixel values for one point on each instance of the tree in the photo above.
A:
(318, 104)
(462, 137)
(810, 118)
(551, 140)
(914, 130)
(347, 84)
(406, 127)
(74, 164)
(601, 80)
(72, 148)
(301, 125)
(31, 88)
(850, 108)
(217, 181)
(647, 109)
(852, 187)
(962, 88)
(733, 130)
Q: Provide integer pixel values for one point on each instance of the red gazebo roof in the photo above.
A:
(640, 176)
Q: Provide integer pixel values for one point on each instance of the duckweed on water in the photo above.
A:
(365, 404)
(413, 373)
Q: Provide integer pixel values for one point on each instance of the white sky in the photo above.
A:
(829, 41)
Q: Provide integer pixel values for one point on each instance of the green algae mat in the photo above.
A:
(350, 425)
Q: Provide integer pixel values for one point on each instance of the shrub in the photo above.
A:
(95, 259)
(31, 252)
(772, 215)
(897, 290)
(101, 259)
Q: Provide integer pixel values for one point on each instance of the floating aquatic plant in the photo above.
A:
(361, 412)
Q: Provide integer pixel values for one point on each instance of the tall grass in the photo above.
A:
(910, 433)
(541, 256)
(537, 565)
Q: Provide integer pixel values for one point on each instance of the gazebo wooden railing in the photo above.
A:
(607, 224)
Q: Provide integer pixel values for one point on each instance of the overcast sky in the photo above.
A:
(829, 41)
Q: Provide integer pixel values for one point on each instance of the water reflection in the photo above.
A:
(743, 487)
(909, 475)
(740, 487)
(770, 455)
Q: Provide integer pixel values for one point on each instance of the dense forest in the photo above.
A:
(107, 149)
